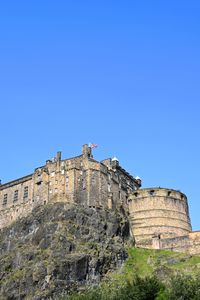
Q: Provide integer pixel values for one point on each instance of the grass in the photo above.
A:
(142, 263)
(146, 261)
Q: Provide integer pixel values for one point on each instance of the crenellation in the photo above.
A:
(158, 211)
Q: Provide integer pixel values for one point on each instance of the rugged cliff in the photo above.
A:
(60, 247)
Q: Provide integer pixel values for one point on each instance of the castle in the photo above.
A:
(159, 217)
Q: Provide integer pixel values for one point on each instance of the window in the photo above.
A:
(83, 184)
(15, 196)
(67, 183)
(5, 199)
(25, 192)
(152, 193)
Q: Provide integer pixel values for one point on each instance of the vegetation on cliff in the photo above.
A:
(149, 275)
(60, 247)
(64, 251)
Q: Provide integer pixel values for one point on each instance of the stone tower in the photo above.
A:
(156, 214)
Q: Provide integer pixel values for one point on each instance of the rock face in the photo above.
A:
(59, 247)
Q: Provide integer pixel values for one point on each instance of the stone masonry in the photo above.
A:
(158, 212)
(81, 180)
(159, 217)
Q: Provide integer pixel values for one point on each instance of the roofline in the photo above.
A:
(16, 181)
(162, 188)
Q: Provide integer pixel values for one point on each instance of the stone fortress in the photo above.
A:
(159, 217)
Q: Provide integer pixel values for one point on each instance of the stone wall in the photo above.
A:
(159, 217)
(189, 243)
(158, 212)
(80, 179)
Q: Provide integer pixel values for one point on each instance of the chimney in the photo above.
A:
(59, 156)
(86, 151)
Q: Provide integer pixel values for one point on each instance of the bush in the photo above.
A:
(141, 289)
(137, 289)
(182, 287)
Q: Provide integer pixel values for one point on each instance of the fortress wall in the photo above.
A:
(11, 214)
(13, 194)
(104, 188)
(158, 211)
(80, 180)
(179, 244)
(189, 243)
(93, 188)
(194, 238)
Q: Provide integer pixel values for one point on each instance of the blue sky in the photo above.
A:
(122, 74)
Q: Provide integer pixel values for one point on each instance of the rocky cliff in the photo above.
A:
(60, 247)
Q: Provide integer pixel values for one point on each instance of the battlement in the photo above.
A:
(160, 192)
(158, 212)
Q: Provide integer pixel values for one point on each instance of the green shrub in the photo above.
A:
(182, 287)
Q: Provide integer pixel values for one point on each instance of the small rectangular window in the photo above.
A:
(15, 198)
(83, 184)
(5, 199)
(25, 192)
(152, 193)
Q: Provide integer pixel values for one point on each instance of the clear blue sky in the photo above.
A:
(122, 74)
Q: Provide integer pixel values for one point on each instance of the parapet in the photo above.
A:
(159, 192)
(158, 212)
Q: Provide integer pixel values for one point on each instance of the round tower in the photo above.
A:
(158, 212)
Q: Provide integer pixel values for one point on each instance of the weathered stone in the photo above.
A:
(80, 180)
(60, 247)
